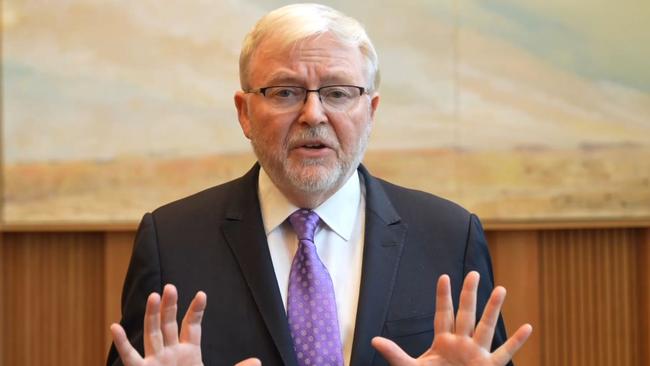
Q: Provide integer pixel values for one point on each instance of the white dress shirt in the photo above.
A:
(338, 239)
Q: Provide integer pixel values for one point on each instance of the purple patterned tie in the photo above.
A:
(311, 306)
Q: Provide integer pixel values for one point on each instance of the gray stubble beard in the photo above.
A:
(312, 182)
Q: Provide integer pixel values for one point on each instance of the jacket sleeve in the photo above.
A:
(477, 258)
(142, 278)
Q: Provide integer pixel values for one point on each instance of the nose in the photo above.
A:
(313, 112)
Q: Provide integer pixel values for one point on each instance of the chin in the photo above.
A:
(314, 177)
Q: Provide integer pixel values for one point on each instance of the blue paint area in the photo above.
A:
(24, 82)
(53, 116)
(562, 44)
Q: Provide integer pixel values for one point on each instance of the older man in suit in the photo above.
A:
(308, 259)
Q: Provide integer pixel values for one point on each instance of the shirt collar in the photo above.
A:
(339, 212)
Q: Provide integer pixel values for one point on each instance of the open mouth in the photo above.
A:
(314, 146)
(313, 149)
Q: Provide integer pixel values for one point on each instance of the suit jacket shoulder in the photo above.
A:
(230, 198)
(417, 205)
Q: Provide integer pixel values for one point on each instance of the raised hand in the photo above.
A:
(457, 341)
(162, 345)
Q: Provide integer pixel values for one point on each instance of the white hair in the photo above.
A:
(292, 23)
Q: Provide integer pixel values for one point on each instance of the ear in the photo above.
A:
(374, 103)
(241, 103)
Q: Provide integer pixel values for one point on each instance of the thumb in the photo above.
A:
(391, 352)
(250, 362)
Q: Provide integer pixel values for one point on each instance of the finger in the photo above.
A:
(191, 328)
(487, 324)
(128, 354)
(444, 319)
(507, 350)
(391, 352)
(249, 362)
(153, 340)
(466, 317)
(168, 322)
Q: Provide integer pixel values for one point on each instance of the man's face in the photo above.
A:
(311, 149)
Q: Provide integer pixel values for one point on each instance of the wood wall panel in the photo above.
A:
(589, 297)
(586, 292)
(3, 296)
(515, 260)
(117, 253)
(53, 290)
(643, 286)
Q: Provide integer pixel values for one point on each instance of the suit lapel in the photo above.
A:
(244, 232)
(384, 239)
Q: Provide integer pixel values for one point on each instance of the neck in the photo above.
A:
(308, 199)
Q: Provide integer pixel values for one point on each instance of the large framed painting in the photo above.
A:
(517, 109)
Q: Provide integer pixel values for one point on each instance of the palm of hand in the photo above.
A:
(457, 341)
(178, 354)
(452, 350)
(163, 345)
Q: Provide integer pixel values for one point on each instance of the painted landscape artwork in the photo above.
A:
(517, 109)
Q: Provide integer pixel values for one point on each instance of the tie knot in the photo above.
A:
(304, 223)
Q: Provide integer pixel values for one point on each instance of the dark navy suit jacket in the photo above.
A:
(214, 241)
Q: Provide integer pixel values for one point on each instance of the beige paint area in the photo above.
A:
(561, 184)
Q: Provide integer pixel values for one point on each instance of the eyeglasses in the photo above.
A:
(333, 97)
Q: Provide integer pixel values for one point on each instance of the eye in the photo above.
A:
(282, 92)
(337, 93)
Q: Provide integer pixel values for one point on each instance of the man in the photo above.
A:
(307, 258)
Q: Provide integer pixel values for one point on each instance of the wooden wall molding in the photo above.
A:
(488, 224)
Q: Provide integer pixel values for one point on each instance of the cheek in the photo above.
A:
(348, 138)
(271, 129)
(353, 130)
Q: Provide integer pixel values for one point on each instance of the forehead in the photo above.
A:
(318, 59)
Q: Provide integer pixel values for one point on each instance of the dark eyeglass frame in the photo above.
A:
(263, 90)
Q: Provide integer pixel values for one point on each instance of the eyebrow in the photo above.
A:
(285, 78)
(339, 78)
(282, 77)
